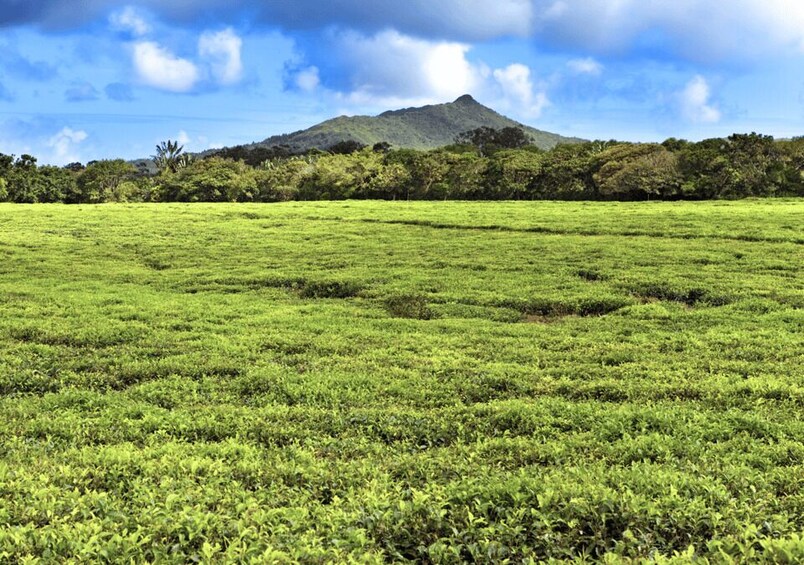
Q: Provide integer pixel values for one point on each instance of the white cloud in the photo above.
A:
(130, 21)
(183, 138)
(448, 72)
(65, 144)
(517, 85)
(308, 79)
(158, 67)
(392, 69)
(392, 64)
(587, 66)
(218, 62)
(221, 51)
(695, 104)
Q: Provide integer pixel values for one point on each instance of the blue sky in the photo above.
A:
(102, 79)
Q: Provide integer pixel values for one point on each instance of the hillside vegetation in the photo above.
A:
(427, 127)
(380, 382)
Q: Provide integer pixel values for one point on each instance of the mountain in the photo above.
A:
(416, 128)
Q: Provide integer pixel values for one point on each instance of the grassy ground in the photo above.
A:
(371, 382)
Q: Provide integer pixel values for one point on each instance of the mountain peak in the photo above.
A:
(426, 127)
(465, 99)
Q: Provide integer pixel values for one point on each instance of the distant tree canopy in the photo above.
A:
(254, 155)
(483, 165)
(24, 182)
(101, 182)
(211, 180)
(488, 140)
(346, 147)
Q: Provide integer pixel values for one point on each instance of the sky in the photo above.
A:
(99, 79)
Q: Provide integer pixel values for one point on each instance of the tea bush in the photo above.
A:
(430, 382)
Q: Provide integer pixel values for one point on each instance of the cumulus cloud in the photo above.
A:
(81, 92)
(696, 106)
(517, 85)
(64, 145)
(390, 63)
(306, 79)
(221, 51)
(218, 62)
(130, 21)
(159, 68)
(388, 68)
(587, 66)
(392, 70)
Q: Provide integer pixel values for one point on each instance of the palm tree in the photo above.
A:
(169, 156)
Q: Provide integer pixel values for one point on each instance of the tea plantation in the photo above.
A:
(367, 382)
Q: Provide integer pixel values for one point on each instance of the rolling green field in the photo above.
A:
(374, 382)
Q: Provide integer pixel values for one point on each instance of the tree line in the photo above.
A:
(483, 164)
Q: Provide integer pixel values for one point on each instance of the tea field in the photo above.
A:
(368, 382)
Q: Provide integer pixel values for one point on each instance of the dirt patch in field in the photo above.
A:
(410, 306)
(542, 310)
(690, 297)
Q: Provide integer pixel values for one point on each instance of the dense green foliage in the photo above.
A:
(488, 140)
(482, 168)
(434, 382)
